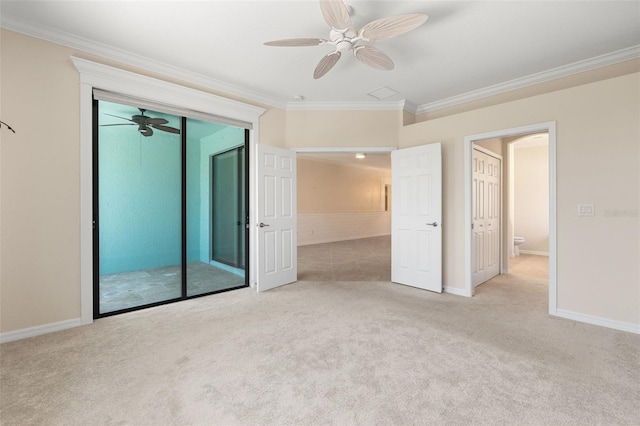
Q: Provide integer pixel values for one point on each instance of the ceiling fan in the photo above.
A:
(345, 38)
(145, 123)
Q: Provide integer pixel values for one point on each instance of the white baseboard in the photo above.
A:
(319, 228)
(603, 322)
(537, 253)
(454, 290)
(38, 330)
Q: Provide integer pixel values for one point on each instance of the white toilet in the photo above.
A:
(516, 242)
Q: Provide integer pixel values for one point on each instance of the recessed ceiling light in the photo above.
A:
(360, 155)
(298, 98)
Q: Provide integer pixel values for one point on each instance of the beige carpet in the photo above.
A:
(340, 353)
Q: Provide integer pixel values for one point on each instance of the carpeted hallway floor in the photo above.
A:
(323, 352)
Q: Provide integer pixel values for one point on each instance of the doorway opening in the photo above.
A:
(159, 207)
(528, 209)
(525, 195)
(535, 193)
(344, 214)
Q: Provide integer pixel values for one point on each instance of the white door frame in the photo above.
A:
(100, 76)
(550, 128)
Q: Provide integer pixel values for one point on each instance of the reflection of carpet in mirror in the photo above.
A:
(137, 288)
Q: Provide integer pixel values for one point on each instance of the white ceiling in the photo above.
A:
(463, 48)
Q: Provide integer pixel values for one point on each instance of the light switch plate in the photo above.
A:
(586, 210)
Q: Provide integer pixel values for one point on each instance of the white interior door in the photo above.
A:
(486, 216)
(276, 217)
(416, 217)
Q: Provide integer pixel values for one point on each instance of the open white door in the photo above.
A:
(416, 217)
(276, 217)
(486, 216)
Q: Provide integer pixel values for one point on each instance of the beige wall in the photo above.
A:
(39, 185)
(343, 128)
(598, 140)
(39, 181)
(495, 145)
(272, 129)
(339, 202)
(597, 161)
(331, 187)
(531, 193)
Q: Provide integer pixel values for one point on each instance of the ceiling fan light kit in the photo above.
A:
(345, 38)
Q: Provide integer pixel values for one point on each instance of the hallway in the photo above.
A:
(366, 259)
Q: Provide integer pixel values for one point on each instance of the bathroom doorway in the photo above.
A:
(536, 195)
(528, 209)
(525, 195)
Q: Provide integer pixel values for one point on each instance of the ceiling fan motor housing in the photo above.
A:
(343, 40)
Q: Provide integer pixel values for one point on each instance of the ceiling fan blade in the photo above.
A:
(123, 118)
(373, 57)
(336, 14)
(154, 120)
(296, 42)
(165, 128)
(118, 124)
(326, 63)
(393, 26)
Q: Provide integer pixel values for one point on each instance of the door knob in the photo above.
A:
(262, 225)
(434, 224)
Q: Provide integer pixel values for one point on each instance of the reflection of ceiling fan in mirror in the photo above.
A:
(145, 123)
(344, 37)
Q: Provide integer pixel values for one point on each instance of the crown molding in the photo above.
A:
(410, 107)
(530, 80)
(109, 52)
(154, 90)
(346, 106)
(139, 61)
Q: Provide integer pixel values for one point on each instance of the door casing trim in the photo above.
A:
(550, 128)
(100, 76)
